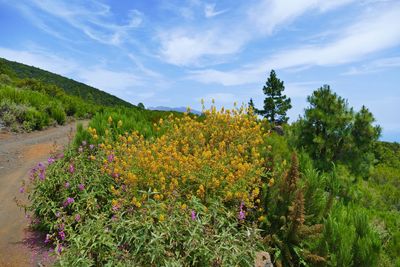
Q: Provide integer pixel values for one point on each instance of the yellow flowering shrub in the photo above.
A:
(216, 156)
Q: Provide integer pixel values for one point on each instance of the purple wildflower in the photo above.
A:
(81, 187)
(59, 248)
(41, 166)
(67, 185)
(110, 157)
(60, 156)
(71, 168)
(50, 160)
(61, 228)
(62, 235)
(77, 217)
(58, 214)
(242, 213)
(21, 189)
(84, 143)
(42, 175)
(68, 201)
(47, 240)
(80, 149)
(91, 146)
(193, 215)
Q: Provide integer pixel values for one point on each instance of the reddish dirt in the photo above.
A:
(18, 154)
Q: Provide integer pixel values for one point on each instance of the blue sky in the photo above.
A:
(174, 53)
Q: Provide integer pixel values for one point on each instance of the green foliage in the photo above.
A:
(331, 132)
(286, 229)
(349, 239)
(275, 104)
(71, 87)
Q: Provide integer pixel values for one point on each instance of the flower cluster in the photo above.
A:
(215, 157)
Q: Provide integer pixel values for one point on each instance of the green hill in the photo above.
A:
(71, 87)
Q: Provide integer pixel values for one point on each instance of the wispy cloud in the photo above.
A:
(93, 19)
(267, 15)
(375, 66)
(188, 47)
(41, 59)
(373, 32)
(209, 11)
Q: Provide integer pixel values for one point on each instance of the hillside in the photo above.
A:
(71, 87)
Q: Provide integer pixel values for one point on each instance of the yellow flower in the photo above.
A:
(110, 120)
(271, 182)
(161, 218)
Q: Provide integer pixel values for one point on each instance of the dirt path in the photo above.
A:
(18, 154)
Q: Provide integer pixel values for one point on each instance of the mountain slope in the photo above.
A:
(71, 87)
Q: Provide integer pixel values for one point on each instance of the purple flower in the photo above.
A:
(60, 156)
(59, 248)
(84, 143)
(50, 160)
(66, 185)
(110, 157)
(47, 240)
(62, 235)
(41, 166)
(193, 215)
(80, 149)
(71, 168)
(21, 189)
(77, 217)
(91, 146)
(81, 187)
(242, 213)
(61, 228)
(58, 214)
(68, 201)
(42, 174)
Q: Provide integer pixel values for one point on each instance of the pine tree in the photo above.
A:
(275, 104)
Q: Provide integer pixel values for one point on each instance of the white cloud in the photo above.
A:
(267, 15)
(41, 59)
(111, 81)
(375, 66)
(94, 19)
(184, 47)
(375, 31)
(209, 11)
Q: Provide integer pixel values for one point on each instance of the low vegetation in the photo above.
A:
(149, 188)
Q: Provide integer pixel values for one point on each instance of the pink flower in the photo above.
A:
(66, 185)
(81, 187)
(242, 213)
(193, 215)
(110, 157)
(69, 200)
(91, 146)
(77, 217)
(71, 168)
(21, 189)
(50, 160)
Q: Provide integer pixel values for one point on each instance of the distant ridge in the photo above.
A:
(70, 86)
(178, 109)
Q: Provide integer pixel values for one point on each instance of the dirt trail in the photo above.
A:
(18, 154)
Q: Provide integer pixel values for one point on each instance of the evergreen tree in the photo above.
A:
(275, 104)
(331, 132)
